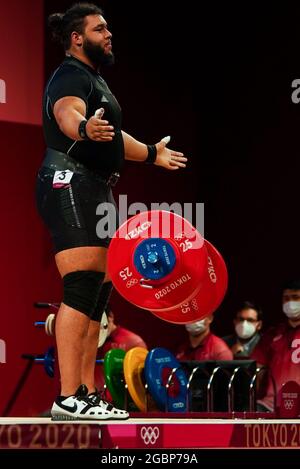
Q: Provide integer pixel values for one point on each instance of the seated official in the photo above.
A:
(201, 344)
(247, 324)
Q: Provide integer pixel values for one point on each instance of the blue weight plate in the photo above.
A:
(49, 361)
(158, 366)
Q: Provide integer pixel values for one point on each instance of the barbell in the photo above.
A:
(49, 325)
(158, 261)
(48, 360)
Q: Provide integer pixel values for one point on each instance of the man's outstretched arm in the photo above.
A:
(138, 151)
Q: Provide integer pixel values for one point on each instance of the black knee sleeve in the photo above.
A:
(103, 299)
(81, 290)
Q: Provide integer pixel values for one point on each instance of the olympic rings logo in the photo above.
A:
(179, 236)
(130, 283)
(149, 435)
(194, 304)
(288, 404)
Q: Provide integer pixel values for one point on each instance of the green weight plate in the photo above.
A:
(114, 378)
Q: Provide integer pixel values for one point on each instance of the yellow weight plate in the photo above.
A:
(133, 367)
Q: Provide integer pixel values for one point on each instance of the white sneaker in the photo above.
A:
(115, 414)
(80, 407)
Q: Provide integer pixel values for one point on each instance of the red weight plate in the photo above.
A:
(181, 284)
(210, 295)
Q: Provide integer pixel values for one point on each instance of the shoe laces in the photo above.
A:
(96, 399)
(96, 396)
(82, 395)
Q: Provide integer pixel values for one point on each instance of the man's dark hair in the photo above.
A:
(292, 284)
(250, 305)
(63, 24)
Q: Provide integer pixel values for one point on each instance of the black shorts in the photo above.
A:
(68, 208)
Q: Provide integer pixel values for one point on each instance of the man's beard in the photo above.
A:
(96, 54)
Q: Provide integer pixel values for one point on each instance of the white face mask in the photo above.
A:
(292, 309)
(196, 328)
(245, 329)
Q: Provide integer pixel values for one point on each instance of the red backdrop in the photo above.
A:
(21, 65)
(28, 273)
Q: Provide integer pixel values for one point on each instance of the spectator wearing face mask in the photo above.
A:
(279, 348)
(201, 344)
(247, 324)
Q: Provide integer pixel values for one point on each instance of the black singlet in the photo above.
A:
(74, 78)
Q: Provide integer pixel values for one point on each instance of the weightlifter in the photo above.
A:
(84, 157)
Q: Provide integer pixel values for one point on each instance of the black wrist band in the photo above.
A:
(152, 152)
(82, 130)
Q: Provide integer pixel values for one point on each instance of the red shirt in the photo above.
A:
(279, 350)
(122, 338)
(211, 348)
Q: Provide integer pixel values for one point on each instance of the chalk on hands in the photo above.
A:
(99, 113)
(166, 139)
